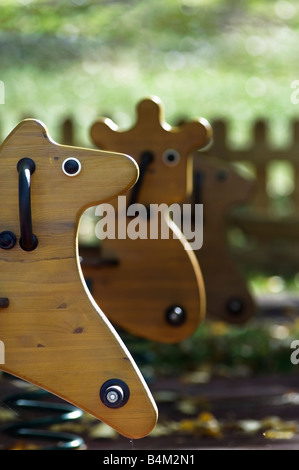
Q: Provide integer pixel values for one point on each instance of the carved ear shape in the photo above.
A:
(37, 131)
(197, 134)
(150, 123)
(102, 133)
(150, 114)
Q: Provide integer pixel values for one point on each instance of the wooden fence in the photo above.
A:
(260, 154)
(271, 232)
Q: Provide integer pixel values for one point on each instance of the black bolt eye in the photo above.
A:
(235, 306)
(114, 393)
(171, 157)
(175, 315)
(222, 175)
(7, 240)
(71, 167)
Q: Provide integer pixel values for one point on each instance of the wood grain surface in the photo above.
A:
(55, 335)
(151, 275)
(165, 181)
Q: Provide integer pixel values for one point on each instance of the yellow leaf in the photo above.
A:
(278, 434)
(102, 431)
(206, 416)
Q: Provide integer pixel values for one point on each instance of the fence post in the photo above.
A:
(295, 151)
(68, 132)
(260, 151)
(220, 147)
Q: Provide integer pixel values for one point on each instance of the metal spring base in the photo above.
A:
(59, 413)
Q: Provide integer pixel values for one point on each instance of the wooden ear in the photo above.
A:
(102, 133)
(197, 134)
(150, 122)
(33, 127)
(150, 114)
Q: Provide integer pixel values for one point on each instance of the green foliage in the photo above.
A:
(202, 58)
(220, 349)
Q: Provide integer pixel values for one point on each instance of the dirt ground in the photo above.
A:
(224, 413)
(197, 411)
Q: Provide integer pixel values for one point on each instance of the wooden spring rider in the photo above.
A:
(55, 335)
(159, 285)
(219, 187)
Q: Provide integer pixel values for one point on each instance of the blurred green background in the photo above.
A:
(211, 58)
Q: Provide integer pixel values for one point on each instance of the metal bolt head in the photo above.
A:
(114, 393)
(235, 306)
(7, 240)
(175, 315)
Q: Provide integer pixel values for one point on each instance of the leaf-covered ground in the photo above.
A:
(226, 387)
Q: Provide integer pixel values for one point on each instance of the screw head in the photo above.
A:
(235, 306)
(7, 240)
(175, 315)
(114, 393)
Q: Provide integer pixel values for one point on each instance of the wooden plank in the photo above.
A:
(55, 335)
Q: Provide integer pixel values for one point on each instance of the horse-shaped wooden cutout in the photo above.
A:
(54, 333)
(220, 188)
(160, 290)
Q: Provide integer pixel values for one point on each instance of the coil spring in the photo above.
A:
(62, 412)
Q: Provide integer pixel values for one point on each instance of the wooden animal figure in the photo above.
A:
(219, 187)
(54, 333)
(159, 285)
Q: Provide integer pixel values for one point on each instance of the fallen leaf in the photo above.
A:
(102, 431)
(249, 425)
(278, 434)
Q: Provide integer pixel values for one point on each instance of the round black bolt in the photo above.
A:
(235, 306)
(222, 175)
(7, 240)
(71, 166)
(175, 315)
(147, 157)
(114, 393)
